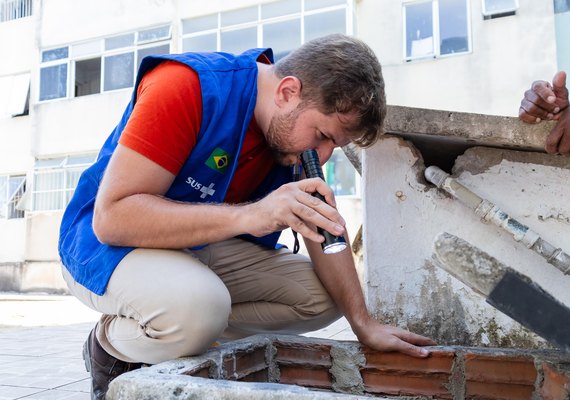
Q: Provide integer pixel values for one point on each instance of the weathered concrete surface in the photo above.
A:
(404, 214)
(474, 129)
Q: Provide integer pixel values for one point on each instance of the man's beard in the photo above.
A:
(279, 137)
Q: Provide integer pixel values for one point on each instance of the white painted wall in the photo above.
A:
(12, 240)
(507, 55)
(403, 215)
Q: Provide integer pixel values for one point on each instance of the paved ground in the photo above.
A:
(40, 346)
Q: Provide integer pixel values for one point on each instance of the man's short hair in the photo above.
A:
(340, 74)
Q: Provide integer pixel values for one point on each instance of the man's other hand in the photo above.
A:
(545, 101)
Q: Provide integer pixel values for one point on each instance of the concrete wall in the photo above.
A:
(404, 285)
(507, 54)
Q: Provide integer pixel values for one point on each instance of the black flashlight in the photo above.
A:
(312, 166)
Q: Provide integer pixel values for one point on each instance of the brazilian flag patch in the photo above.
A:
(218, 160)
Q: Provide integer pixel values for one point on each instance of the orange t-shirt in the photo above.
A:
(166, 120)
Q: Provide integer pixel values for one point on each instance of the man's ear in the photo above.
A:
(288, 91)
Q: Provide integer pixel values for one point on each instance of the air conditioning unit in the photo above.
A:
(499, 8)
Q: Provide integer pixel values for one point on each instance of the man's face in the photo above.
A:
(303, 128)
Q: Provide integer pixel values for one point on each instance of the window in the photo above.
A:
(561, 6)
(55, 180)
(99, 65)
(436, 28)
(14, 95)
(341, 175)
(499, 8)
(282, 25)
(12, 189)
(14, 9)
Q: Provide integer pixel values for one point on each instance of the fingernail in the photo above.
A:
(424, 352)
(338, 229)
(556, 110)
(538, 120)
(551, 99)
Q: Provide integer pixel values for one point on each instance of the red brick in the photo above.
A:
(438, 361)
(556, 386)
(258, 376)
(303, 354)
(244, 362)
(500, 368)
(406, 383)
(202, 370)
(314, 377)
(497, 391)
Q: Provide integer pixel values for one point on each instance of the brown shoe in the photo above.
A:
(102, 366)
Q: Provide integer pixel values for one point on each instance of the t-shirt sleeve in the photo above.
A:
(166, 117)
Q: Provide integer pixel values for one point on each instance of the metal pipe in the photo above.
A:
(489, 212)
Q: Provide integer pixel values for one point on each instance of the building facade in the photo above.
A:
(68, 69)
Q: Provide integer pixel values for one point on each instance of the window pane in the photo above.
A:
(142, 53)
(87, 77)
(53, 82)
(17, 188)
(15, 182)
(200, 43)
(119, 71)
(280, 8)
(340, 174)
(118, 42)
(81, 160)
(50, 180)
(72, 177)
(282, 37)
(14, 90)
(498, 6)
(453, 26)
(240, 16)
(561, 6)
(48, 201)
(238, 41)
(55, 54)
(323, 24)
(49, 162)
(199, 24)
(154, 34)
(419, 30)
(314, 4)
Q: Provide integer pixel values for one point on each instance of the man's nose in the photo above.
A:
(324, 151)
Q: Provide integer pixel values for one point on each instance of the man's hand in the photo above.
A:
(390, 338)
(558, 142)
(293, 205)
(544, 101)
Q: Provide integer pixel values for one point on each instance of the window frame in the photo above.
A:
(14, 95)
(59, 165)
(99, 51)
(506, 11)
(9, 209)
(260, 22)
(436, 27)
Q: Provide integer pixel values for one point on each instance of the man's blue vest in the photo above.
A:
(229, 93)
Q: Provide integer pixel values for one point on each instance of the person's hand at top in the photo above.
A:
(544, 101)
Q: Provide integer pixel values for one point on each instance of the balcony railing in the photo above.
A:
(14, 9)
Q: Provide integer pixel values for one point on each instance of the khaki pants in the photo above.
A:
(164, 304)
